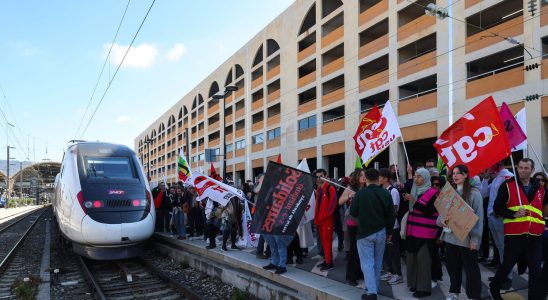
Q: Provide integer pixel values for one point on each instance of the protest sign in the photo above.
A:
(462, 218)
(282, 200)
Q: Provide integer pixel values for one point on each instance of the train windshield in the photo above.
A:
(109, 168)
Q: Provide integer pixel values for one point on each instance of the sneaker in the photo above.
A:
(209, 247)
(280, 270)
(434, 284)
(270, 267)
(321, 265)
(234, 247)
(453, 296)
(386, 276)
(224, 248)
(327, 267)
(395, 279)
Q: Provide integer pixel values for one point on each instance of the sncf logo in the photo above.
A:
(116, 192)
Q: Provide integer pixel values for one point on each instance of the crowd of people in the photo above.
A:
(381, 219)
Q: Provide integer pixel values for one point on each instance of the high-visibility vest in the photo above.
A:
(533, 222)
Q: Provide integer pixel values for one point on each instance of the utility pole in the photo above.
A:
(21, 180)
(8, 171)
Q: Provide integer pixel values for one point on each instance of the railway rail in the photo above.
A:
(132, 279)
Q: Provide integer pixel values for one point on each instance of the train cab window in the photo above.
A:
(109, 168)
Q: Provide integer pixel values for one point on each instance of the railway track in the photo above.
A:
(132, 279)
(12, 237)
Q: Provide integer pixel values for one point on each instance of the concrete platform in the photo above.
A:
(244, 270)
(10, 213)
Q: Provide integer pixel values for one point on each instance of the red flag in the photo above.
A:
(364, 131)
(213, 173)
(279, 159)
(514, 133)
(477, 139)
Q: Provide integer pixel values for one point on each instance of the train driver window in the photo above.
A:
(109, 168)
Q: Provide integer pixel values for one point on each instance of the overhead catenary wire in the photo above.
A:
(102, 69)
(117, 69)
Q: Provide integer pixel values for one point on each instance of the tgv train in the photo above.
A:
(102, 201)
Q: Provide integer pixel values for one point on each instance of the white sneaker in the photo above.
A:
(395, 279)
(386, 276)
(453, 296)
(434, 284)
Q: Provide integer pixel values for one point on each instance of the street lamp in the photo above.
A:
(148, 142)
(228, 90)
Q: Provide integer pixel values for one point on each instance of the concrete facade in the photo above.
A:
(336, 65)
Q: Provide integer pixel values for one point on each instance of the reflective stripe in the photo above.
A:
(527, 207)
(524, 219)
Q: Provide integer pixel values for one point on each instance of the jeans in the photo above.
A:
(371, 251)
(180, 223)
(278, 247)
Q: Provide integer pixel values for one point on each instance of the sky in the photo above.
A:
(52, 52)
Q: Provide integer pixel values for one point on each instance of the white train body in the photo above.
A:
(102, 201)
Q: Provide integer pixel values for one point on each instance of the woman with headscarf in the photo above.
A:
(421, 231)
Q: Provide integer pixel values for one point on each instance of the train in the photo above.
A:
(103, 203)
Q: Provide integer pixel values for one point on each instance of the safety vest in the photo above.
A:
(533, 222)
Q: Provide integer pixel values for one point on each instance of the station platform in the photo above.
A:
(10, 213)
(306, 281)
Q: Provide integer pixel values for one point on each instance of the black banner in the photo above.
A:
(282, 200)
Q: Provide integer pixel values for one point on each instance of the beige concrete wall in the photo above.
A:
(284, 30)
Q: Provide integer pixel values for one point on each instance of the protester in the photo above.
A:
(485, 236)
(374, 210)
(438, 249)
(278, 247)
(195, 219)
(326, 202)
(353, 269)
(431, 164)
(522, 206)
(464, 254)
(213, 213)
(421, 231)
(178, 214)
(338, 214)
(160, 201)
(496, 225)
(294, 249)
(231, 221)
(263, 250)
(541, 179)
(392, 260)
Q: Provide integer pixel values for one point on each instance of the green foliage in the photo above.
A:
(240, 295)
(26, 290)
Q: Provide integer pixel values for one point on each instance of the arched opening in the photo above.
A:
(239, 71)
(309, 20)
(228, 80)
(271, 47)
(213, 89)
(258, 57)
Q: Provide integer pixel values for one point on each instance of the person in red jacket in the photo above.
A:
(326, 202)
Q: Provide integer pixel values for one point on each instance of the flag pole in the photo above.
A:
(536, 155)
(516, 179)
(405, 150)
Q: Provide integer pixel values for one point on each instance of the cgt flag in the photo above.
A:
(207, 187)
(365, 131)
(381, 134)
(183, 167)
(477, 139)
(282, 200)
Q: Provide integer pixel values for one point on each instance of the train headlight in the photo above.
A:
(143, 203)
(88, 204)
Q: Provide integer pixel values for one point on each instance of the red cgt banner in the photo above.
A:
(477, 139)
(365, 131)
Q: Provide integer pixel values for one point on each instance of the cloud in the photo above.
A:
(123, 119)
(176, 52)
(142, 56)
